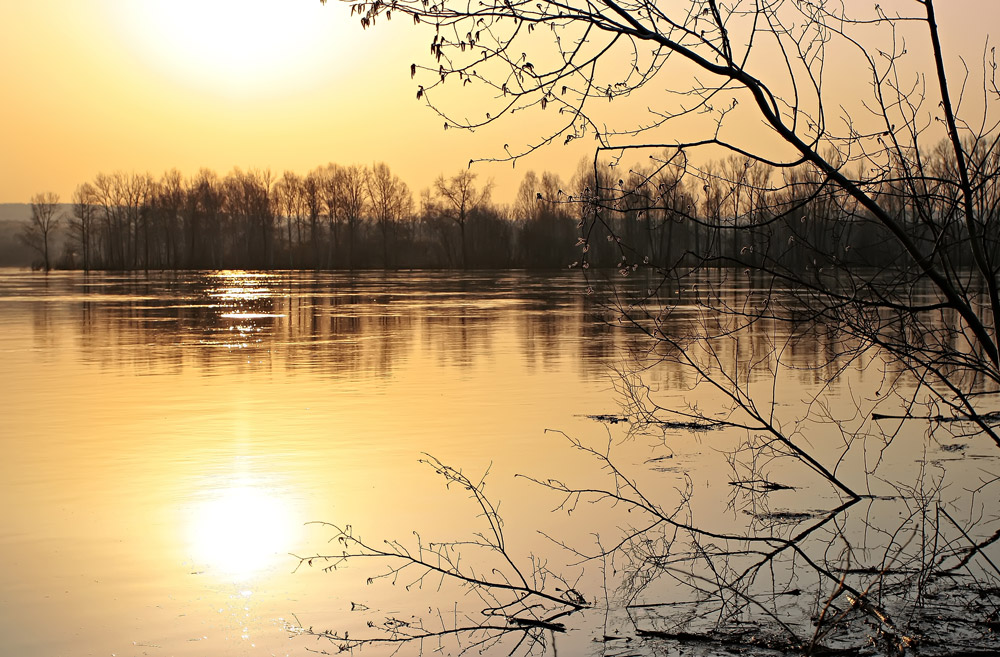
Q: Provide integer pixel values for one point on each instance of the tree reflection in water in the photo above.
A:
(845, 523)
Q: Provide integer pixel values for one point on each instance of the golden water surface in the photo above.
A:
(167, 438)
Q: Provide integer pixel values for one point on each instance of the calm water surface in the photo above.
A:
(166, 437)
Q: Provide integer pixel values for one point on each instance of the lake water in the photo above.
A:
(166, 438)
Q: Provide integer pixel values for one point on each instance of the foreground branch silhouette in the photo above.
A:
(893, 169)
(862, 219)
(522, 601)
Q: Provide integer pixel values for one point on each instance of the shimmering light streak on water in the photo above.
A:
(166, 438)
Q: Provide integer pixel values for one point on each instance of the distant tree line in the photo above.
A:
(334, 217)
(357, 217)
(791, 221)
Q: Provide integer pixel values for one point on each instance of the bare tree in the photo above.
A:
(390, 202)
(288, 195)
(717, 62)
(865, 220)
(83, 221)
(352, 183)
(330, 201)
(249, 204)
(167, 204)
(123, 201)
(525, 600)
(204, 221)
(547, 227)
(43, 223)
(459, 199)
(312, 196)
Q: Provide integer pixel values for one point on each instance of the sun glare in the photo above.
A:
(241, 531)
(258, 45)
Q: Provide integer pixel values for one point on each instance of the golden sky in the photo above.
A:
(150, 85)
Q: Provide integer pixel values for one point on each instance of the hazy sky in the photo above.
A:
(148, 85)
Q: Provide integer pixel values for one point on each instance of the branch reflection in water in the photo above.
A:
(768, 503)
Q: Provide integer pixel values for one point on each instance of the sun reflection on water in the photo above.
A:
(249, 316)
(241, 286)
(241, 531)
(247, 299)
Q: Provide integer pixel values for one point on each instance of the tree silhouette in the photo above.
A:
(390, 202)
(83, 221)
(875, 159)
(458, 199)
(45, 219)
(861, 216)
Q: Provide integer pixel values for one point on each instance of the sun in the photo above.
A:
(262, 45)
